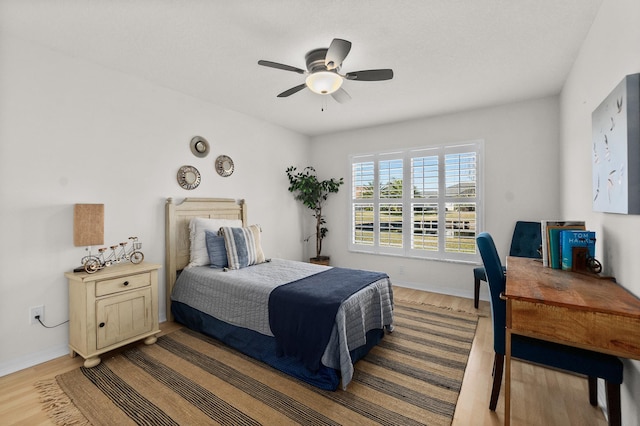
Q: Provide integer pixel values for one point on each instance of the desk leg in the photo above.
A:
(507, 379)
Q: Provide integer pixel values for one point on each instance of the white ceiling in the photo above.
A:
(447, 55)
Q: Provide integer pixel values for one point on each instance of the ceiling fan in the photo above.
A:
(323, 71)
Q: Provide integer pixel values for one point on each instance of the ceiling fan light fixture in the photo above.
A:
(324, 82)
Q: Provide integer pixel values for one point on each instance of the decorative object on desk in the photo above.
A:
(224, 165)
(313, 193)
(95, 263)
(582, 261)
(188, 177)
(571, 239)
(199, 146)
(616, 149)
(594, 265)
(88, 226)
(550, 232)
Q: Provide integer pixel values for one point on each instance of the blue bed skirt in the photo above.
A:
(263, 348)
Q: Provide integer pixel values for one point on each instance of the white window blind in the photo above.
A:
(423, 202)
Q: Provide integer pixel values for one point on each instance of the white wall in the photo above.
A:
(520, 171)
(73, 132)
(609, 53)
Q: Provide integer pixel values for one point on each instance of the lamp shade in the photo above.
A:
(324, 82)
(88, 224)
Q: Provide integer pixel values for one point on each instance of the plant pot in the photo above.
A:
(322, 260)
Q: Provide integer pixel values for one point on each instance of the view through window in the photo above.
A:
(422, 202)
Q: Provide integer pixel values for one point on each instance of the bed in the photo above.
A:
(310, 321)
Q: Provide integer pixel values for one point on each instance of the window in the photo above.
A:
(422, 202)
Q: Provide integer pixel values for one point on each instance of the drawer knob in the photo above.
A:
(126, 283)
(101, 325)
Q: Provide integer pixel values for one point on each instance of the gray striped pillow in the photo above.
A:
(243, 246)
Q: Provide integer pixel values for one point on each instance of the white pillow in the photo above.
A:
(197, 226)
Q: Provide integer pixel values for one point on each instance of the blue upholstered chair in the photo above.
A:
(525, 242)
(592, 364)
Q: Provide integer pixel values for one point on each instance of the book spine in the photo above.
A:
(566, 250)
(554, 248)
(543, 234)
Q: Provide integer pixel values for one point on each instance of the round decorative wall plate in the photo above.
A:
(199, 146)
(188, 177)
(224, 165)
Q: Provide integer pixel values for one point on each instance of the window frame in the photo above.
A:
(407, 200)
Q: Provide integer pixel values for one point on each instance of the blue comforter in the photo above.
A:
(302, 313)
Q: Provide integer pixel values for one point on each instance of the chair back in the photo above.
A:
(496, 280)
(526, 240)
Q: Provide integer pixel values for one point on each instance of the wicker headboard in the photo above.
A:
(177, 240)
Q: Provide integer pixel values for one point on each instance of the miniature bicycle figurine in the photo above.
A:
(93, 263)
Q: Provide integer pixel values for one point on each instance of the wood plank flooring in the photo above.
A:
(539, 395)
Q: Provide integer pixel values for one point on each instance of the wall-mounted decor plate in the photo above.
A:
(188, 177)
(224, 165)
(199, 146)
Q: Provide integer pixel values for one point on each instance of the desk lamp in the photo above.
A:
(88, 227)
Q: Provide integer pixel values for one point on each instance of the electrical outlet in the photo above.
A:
(36, 311)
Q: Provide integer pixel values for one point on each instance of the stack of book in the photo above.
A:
(561, 238)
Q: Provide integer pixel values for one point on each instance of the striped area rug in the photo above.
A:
(412, 377)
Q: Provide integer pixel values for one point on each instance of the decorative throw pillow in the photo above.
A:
(197, 226)
(243, 246)
(216, 249)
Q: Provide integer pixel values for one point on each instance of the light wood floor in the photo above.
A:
(539, 396)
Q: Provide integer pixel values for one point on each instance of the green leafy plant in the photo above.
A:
(313, 193)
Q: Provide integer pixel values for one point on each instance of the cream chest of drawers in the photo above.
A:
(111, 308)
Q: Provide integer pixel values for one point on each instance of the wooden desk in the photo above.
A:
(571, 308)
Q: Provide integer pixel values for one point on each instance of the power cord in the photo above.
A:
(46, 326)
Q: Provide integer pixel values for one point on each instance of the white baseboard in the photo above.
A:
(467, 294)
(35, 358)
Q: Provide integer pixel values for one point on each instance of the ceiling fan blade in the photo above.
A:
(341, 96)
(292, 91)
(338, 50)
(280, 66)
(370, 75)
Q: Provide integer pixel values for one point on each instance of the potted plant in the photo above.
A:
(313, 193)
